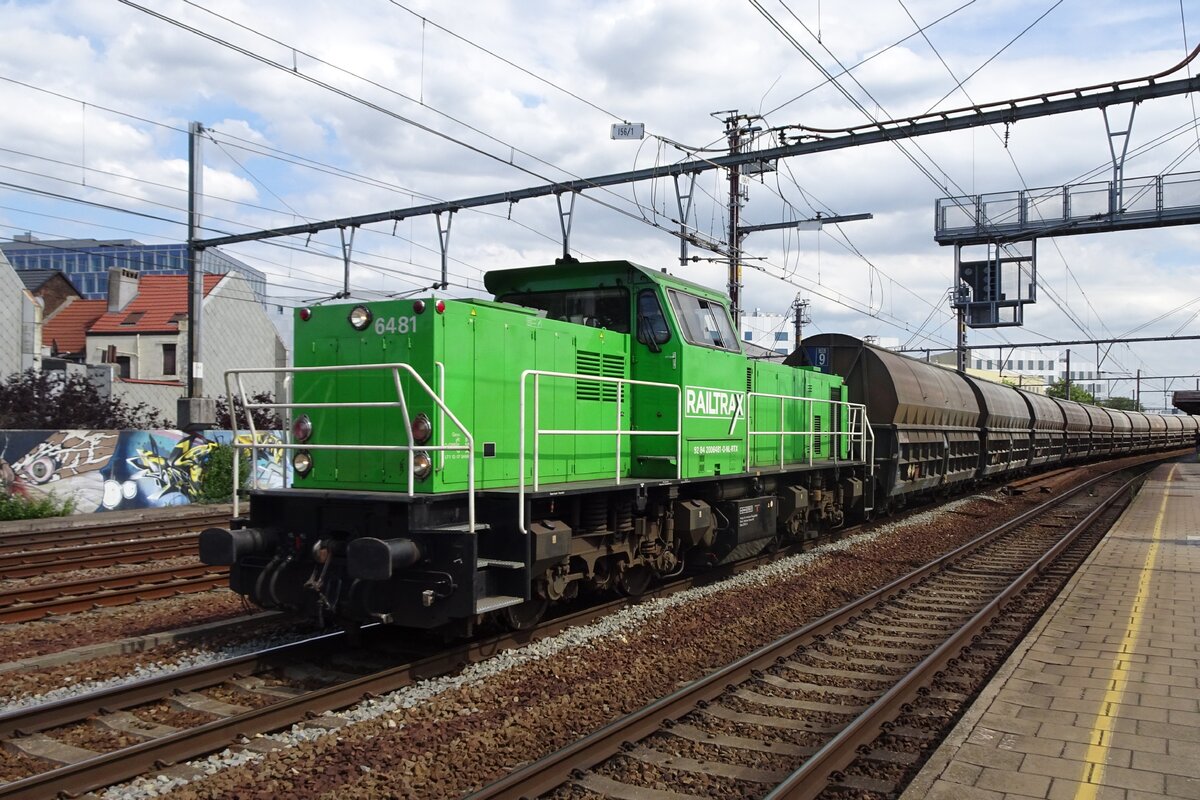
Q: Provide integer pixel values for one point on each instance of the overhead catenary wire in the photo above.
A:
(94, 187)
(830, 234)
(960, 86)
(1063, 306)
(117, 209)
(346, 94)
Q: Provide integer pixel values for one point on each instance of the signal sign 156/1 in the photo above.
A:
(629, 130)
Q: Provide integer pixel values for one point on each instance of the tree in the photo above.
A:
(34, 400)
(1122, 404)
(217, 485)
(265, 419)
(1078, 394)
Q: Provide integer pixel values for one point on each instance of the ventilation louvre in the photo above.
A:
(604, 365)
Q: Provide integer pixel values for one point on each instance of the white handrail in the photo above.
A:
(400, 402)
(856, 410)
(860, 431)
(538, 431)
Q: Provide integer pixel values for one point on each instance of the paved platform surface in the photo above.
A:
(1102, 699)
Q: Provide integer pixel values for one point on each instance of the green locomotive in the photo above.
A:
(595, 426)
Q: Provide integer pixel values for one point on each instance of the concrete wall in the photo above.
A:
(238, 334)
(118, 470)
(20, 324)
(156, 395)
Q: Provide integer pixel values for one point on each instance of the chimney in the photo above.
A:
(122, 288)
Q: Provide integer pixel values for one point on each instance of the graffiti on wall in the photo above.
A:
(111, 470)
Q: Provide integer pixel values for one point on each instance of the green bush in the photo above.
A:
(15, 506)
(218, 475)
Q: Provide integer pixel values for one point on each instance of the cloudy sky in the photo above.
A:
(317, 110)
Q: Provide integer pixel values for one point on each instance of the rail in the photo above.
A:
(618, 432)
(578, 762)
(235, 376)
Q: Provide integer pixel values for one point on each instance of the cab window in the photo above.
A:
(703, 322)
(651, 322)
(596, 308)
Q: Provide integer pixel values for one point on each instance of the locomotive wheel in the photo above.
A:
(524, 616)
(634, 581)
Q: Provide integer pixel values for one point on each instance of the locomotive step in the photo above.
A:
(496, 602)
(455, 527)
(484, 563)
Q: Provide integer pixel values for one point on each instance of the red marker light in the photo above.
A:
(440, 306)
(418, 306)
(305, 314)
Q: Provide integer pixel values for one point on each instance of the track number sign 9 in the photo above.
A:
(401, 325)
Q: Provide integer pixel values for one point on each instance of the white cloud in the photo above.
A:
(669, 64)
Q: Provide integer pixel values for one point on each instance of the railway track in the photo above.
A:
(109, 554)
(845, 706)
(46, 599)
(275, 705)
(43, 732)
(71, 531)
(25, 553)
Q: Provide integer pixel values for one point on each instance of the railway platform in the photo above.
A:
(1101, 701)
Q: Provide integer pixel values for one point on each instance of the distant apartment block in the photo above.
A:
(773, 332)
(86, 262)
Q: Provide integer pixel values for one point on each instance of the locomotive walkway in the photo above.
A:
(1102, 699)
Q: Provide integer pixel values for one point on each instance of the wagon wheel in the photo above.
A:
(524, 616)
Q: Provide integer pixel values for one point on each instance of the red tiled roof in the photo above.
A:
(159, 299)
(67, 327)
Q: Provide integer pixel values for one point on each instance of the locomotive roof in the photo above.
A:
(588, 275)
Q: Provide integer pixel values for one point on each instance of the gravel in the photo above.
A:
(450, 735)
(55, 634)
(500, 698)
(81, 678)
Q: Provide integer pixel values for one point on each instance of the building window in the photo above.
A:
(168, 359)
(124, 367)
(748, 336)
(783, 351)
(781, 336)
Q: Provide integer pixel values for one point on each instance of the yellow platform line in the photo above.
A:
(1097, 753)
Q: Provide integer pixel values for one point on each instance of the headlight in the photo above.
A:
(422, 464)
(422, 429)
(302, 462)
(360, 317)
(302, 428)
